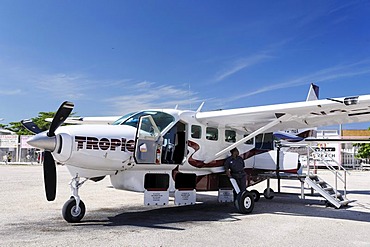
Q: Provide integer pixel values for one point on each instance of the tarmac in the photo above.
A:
(119, 218)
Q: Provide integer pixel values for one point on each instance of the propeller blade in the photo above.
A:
(31, 126)
(50, 176)
(63, 112)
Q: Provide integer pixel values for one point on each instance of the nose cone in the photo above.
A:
(43, 141)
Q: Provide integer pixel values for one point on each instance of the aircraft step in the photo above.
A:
(326, 190)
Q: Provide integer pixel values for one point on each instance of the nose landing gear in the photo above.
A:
(74, 209)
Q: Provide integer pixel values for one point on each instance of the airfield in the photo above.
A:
(118, 218)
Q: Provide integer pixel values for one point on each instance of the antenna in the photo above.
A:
(200, 107)
(189, 96)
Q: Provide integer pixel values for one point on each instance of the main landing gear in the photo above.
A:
(74, 209)
(244, 202)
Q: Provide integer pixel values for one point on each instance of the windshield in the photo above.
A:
(122, 119)
(161, 119)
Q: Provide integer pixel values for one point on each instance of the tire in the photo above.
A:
(245, 202)
(256, 195)
(236, 201)
(268, 193)
(69, 211)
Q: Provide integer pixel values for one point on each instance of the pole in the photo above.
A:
(278, 147)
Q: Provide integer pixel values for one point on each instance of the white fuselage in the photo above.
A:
(98, 150)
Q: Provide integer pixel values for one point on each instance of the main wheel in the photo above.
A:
(256, 195)
(245, 202)
(71, 213)
(268, 193)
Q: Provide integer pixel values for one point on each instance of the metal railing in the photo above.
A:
(337, 172)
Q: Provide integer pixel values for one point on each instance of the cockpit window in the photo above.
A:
(161, 119)
(123, 118)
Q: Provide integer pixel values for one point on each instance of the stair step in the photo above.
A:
(338, 195)
(345, 202)
(328, 189)
(320, 182)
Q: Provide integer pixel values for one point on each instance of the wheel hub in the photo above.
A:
(75, 211)
(247, 202)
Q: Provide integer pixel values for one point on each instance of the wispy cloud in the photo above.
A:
(323, 75)
(62, 85)
(10, 92)
(144, 95)
(241, 64)
(26, 79)
(73, 86)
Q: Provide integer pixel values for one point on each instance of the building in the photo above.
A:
(334, 153)
(349, 150)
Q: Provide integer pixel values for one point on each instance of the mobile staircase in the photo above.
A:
(330, 193)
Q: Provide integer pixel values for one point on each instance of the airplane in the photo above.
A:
(172, 149)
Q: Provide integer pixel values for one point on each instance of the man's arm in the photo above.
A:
(227, 167)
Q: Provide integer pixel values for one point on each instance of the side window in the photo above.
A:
(230, 136)
(211, 134)
(265, 141)
(196, 131)
(250, 141)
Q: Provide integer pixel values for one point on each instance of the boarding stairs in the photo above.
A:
(330, 193)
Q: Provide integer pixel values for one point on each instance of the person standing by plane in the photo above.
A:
(234, 166)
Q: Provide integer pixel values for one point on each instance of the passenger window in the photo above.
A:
(265, 141)
(250, 141)
(212, 134)
(230, 136)
(196, 131)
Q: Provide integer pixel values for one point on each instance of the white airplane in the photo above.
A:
(171, 149)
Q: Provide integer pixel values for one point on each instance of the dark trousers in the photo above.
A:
(241, 180)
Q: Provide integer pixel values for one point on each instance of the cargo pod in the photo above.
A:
(185, 193)
(149, 141)
(156, 189)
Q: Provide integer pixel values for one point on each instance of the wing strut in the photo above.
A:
(280, 118)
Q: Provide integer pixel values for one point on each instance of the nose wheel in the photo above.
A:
(74, 209)
(73, 213)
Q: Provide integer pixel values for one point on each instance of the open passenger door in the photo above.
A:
(149, 141)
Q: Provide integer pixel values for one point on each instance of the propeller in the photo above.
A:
(63, 112)
(48, 142)
(31, 126)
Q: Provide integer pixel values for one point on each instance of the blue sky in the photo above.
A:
(113, 57)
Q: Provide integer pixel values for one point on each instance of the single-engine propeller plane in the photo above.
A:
(172, 149)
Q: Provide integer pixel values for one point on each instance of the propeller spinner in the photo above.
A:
(47, 141)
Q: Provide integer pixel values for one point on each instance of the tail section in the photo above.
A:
(313, 93)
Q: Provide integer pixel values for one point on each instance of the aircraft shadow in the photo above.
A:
(291, 204)
(183, 217)
(360, 192)
(169, 217)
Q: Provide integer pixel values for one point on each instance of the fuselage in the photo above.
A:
(181, 146)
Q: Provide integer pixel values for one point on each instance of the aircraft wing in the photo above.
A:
(89, 120)
(301, 114)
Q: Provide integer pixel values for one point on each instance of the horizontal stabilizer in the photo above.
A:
(287, 137)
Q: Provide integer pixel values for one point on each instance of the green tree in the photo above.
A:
(363, 151)
(18, 128)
